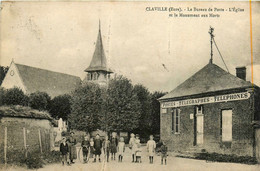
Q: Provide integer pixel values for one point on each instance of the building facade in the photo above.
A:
(212, 110)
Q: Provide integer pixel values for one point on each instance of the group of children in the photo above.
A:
(93, 147)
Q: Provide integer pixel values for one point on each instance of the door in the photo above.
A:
(199, 125)
(226, 125)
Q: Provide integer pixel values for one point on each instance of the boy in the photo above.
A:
(106, 147)
(97, 147)
(121, 149)
(163, 152)
(64, 149)
(114, 143)
(85, 148)
(151, 145)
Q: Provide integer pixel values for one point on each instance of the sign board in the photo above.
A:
(191, 116)
(205, 100)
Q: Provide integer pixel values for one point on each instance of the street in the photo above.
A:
(173, 164)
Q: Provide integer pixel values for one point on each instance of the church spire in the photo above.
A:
(99, 61)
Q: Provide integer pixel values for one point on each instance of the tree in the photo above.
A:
(39, 101)
(122, 108)
(14, 96)
(60, 106)
(145, 122)
(2, 94)
(155, 111)
(3, 71)
(86, 108)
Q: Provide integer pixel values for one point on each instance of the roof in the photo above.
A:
(210, 78)
(23, 112)
(99, 61)
(53, 83)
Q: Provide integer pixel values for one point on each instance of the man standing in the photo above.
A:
(97, 147)
(72, 147)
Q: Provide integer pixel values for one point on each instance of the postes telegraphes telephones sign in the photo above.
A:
(205, 100)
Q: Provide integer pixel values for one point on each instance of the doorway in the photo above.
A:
(199, 125)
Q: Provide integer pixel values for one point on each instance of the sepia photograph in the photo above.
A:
(129, 85)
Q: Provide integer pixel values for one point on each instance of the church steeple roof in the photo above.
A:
(99, 61)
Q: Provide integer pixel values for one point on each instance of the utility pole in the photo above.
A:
(211, 30)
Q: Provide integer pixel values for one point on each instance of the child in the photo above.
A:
(106, 147)
(114, 143)
(121, 149)
(138, 152)
(132, 146)
(91, 145)
(151, 145)
(85, 148)
(64, 149)
(163, 152)
(97, 147)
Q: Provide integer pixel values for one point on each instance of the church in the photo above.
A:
(31, 79)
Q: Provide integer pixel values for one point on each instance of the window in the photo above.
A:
(95, 76)
(89, 76)
(226, 125)
(176, 120)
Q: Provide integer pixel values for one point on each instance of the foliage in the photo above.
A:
(60, 106)
(86, 107)
(144, 98)
(119, 107)
(3, 71)
(155, 111)
(34, 159)
(2, 94)
(122, 106)
(14, 96)
(39, 101)
(51, 157)
(226, 158)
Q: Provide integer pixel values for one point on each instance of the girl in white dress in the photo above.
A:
(121, 149)
(132, 146)
(151, 145)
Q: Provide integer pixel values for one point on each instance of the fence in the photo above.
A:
(19, 139)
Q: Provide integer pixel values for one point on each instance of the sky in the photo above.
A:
(148, 47)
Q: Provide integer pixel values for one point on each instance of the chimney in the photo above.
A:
(241, 72)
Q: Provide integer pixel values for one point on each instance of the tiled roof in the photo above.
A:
(210, 78)
(53, 83)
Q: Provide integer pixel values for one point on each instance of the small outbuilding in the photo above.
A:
(212, 110)
(24, 130)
